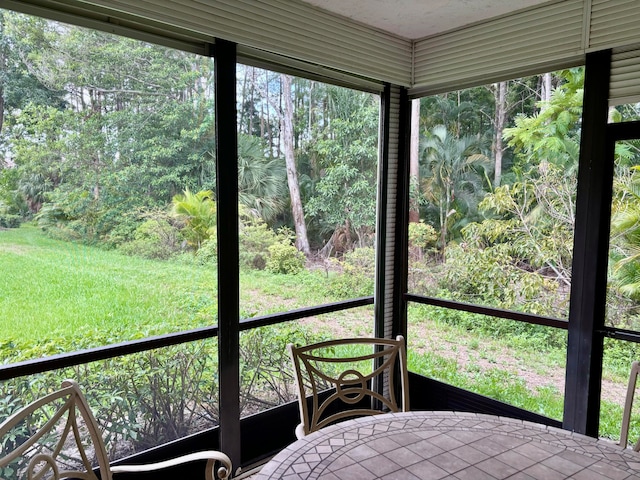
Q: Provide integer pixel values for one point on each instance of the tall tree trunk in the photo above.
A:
(265, 116)
(1, 107)
(252, 101)
(3, 66)
(500, 95)
(444, 215)
(243, 97)
(279, 140)
(311, 107)
(545, 90)
(286, 122)
(414, 162)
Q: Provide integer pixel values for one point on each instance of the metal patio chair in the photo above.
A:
(362, 372)
(628, 403)
(57, 437)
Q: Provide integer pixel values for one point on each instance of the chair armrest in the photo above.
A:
(211, 455)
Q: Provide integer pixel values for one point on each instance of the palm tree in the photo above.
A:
(453, 174)
(625, 235)
(33, 188)
(262, 181)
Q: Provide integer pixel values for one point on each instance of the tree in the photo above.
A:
(529, 224)
(497, 147)
(552, 134)
(454, 172)
(261, 180)
(535, 218)
(286, 125)
(135, 129)
(343, 201)
(414, 162)
(625, 234)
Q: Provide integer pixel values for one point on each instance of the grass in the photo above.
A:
(51, 288)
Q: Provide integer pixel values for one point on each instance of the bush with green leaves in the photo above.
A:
(422, 238)
(255, 238)
(263, 248)
(154, 238)
(153, 397)
(9, 221)
(266, 372)
(489, 276)
(357, 277)
(208, 252)
(285, 258)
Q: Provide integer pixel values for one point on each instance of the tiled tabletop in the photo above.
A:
(435, 445)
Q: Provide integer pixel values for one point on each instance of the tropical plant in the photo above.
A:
(625, 235)
(198, 212)
(453, 177)
(262, 185)
(346, 156)
(553, 134)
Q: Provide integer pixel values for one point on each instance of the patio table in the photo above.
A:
(435, 445)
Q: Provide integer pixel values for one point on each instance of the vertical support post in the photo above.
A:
(391, 222)
(390, 189)
(590, 255)
(382, 217)
(401, 227)
(228, 253)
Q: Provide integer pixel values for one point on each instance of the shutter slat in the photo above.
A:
(614, 23)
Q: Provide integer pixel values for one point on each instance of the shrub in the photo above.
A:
(255, 239)
(208, 252)
(9, 221)
(284, 258)
(152, 397)
(360, 261)
(422, 237)
(266, 372)
(357, 279)
(154, 238)
(491, 277)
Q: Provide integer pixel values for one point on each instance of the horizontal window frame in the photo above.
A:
(489, 311)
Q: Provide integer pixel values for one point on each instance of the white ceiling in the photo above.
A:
(415, 19)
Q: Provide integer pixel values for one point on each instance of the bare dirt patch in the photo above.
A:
(17, 249)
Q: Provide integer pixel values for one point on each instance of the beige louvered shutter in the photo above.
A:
(625, 77)
(531, 41)
(616, 24)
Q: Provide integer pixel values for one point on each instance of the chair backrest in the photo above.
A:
(628, 404)
(57, 437)
(361, 370)
(54, 437)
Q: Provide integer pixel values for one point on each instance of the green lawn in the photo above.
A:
(51, 288)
